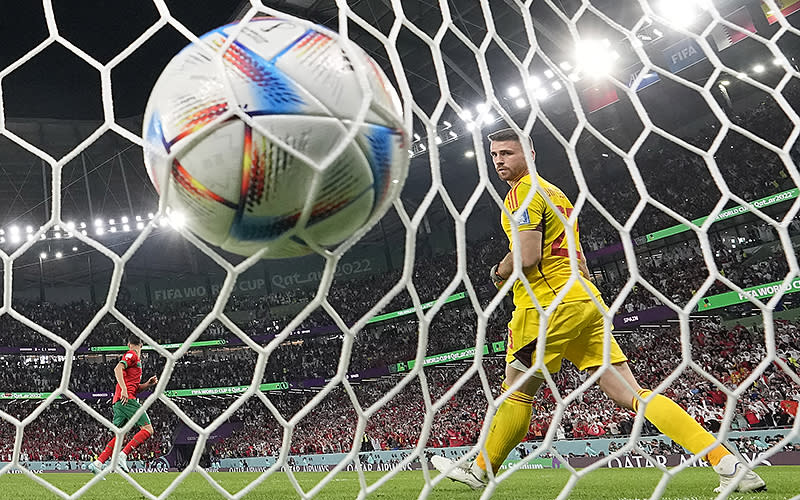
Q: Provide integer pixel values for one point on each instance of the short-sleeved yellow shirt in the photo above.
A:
(553, 271)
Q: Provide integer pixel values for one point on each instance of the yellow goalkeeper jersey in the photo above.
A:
(553, 271)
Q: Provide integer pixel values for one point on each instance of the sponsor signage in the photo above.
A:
(727, 213)
(683, 54)
(630, 320)
(759, 292)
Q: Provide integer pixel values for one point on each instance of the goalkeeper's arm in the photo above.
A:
(530, 246)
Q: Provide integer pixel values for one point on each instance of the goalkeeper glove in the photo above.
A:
(498, 280)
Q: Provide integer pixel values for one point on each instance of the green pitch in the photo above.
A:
(693, 484)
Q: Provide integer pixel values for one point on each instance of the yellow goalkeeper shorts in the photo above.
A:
(574, 331)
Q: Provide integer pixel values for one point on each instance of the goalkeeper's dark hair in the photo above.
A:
(507, 134)
(134, 339)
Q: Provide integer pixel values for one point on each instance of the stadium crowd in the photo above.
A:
(63, 431)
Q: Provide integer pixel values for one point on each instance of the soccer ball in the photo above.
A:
(236, 188)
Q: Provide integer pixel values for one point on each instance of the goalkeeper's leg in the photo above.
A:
(678, 425)
(509, 426)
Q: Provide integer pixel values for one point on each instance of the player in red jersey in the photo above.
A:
(128, 373)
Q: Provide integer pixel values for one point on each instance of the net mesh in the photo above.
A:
(480, 376)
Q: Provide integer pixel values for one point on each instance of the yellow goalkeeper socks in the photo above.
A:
(673, 421)
(509, 427)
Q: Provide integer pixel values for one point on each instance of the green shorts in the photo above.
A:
(124, 412)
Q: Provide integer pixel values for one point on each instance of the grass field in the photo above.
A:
(783, 483)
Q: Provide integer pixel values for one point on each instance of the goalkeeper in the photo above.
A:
(574, 331)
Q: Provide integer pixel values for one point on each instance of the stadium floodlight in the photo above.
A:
(140, 225)
(138, 218)
(111, 222)
(98, 222)
(99, 231)
(83, 225)
(725, 82)
(14, 238)
(758, 68)
(520, 102)
(469, 154)
(113, 229)
(124, 219)
(488, 118)
(2, 239)
(29, 237)
(43, 255)
(177, 219)
(681, 13)
(57, 235)
(513, 91)
(482, 108)
(29, 229)
(533, 83)
(70, 226)
(575, 77)
(549, 74)
(466, 115)
(541, 94)
(565, 65)
(83, 232)
(2, 231)
(126, 228)
(150, 215)
(59, 255)
(556, 85)
(74, 249)
(594, 58)
(13, 230)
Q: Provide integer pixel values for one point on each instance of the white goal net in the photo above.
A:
(671, 126)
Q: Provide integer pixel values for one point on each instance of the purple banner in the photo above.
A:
(638, 461)
(609, 250)
(630, 320)
(185, 435)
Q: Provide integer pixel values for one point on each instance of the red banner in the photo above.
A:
(600, 96)
(787, 7)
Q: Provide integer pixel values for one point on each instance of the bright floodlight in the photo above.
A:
(594, 58)
(140, 225)
(14, 238)
(126, 228)
(469, 154)
(541, 94)
(466, 115)
(565, 65)
(556, 85)
(549, 74)
(758, 68)
(520, 102)
(98, 222)
(681, 13)
(59, 255)
(74, 249)
(513, 91)
(725, 82)
(177, 219)
(533, 82)
(29, 229)
(99, 231)
(43, 255)
(71, 226)
(482, 108)
(13, 230)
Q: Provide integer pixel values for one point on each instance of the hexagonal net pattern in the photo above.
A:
(578, 83)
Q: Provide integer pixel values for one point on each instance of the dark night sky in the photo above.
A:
(58, 84)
